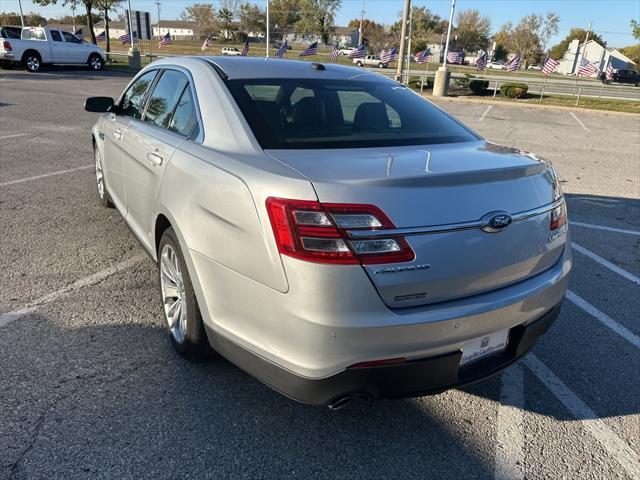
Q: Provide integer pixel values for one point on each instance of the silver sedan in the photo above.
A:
(330, 231)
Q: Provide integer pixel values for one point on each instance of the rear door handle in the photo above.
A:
(117, 134)
(154, 158)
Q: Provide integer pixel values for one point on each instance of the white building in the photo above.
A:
(594, 53)
(179, 30)
(116, 29)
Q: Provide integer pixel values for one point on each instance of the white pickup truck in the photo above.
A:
(370, 60)
(38, 46)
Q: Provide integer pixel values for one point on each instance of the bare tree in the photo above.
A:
(530, 36)
(204, 16)
(105, 6)
(88, 5)
(252, 19)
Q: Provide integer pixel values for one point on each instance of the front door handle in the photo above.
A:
(154, 158)
(117, 134)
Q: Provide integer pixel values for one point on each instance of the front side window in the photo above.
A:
(132, 104)
(71, 38)
(164, 97)
(356, 113)
(55, 36)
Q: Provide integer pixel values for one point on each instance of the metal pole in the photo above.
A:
(267, 34)
(158, 5)
(73, 16)
(403, 36)
(408, 67)
(578, 99)
(360, 33)
(21, 14)
(130, 25)
(495, 89)
(446, 46)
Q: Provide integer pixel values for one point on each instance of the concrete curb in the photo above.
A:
(483, 101)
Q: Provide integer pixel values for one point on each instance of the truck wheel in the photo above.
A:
(382, 65)
(32, 61)
(359, 64)
(95, 62)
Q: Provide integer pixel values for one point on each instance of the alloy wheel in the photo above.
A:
(33, 63)
(173, 293)
(95, 63)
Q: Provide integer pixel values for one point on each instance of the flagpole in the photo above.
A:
(267, 34)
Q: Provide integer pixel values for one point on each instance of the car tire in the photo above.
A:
(32, 61)
(95, 62)
(179, 304)
(381, 65)
(101, 187)
(359, 64)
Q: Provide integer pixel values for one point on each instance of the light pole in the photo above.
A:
(159, 31)
(360, 35)
(403, 38)
(21, 14)
(73, 16)
(267, 33)
(409, 41)
(441, 80)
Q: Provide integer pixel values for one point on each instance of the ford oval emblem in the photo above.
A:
(495, 222)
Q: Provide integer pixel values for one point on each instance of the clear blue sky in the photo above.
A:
(610, 17)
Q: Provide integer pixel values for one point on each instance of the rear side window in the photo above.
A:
(164, 97)
(55, 36)
(184, 119)
(132, 103)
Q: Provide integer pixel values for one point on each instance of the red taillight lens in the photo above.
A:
(7, 46)
(318, 232)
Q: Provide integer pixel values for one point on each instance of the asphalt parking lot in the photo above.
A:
(91, 388)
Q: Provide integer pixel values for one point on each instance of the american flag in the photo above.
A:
(423, 56)
(207, 43)
(455, 57)
(282, 49)
(334, 53)
(80, 34)
(166, 40)
(310, 50)
(549, 66)
(513, 64)
(481, 62)
(102, 36)
(126, 38)
(609, 71)
(587, 69)
(245, 49)
(389, 55)
(359, 52)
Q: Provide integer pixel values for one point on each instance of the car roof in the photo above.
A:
(239, 67)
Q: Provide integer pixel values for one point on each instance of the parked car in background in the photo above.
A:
(345, 50)
(534, 66)
(370, 61)
(39, 46)
(332, 233)
(626, 76)
(496, 65)
(10, 32)
(231, 51)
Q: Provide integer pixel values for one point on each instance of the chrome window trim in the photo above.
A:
(426, 230)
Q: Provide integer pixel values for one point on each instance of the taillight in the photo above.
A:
(318, 232)
(558, 214)
(7, 46)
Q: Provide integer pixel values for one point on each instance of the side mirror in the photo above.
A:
(98, 104)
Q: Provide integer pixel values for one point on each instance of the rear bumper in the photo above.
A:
(414, 378)
(7, 56)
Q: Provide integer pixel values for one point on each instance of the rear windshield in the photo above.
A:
(299, 113)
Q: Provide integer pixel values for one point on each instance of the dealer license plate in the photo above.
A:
(482, 347)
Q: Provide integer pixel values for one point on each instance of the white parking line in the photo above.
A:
(509, 431)
(602, 227)
(7, 318)
(606, 263)
(605, 319)
(14, 136)
(485, 113)
(45, 175)
(617, 447)
(579, 121)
